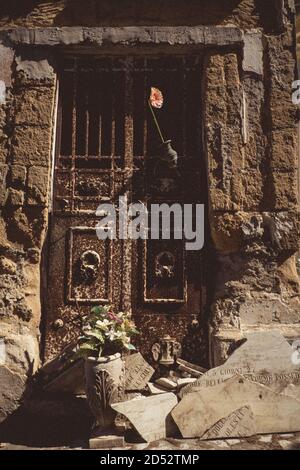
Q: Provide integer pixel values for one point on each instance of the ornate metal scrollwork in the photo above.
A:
(165, 265)
(88, 188)
(89, 264)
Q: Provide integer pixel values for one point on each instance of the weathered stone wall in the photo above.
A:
(242, 13)
(250, 147)
(25, 153)
(251, 150)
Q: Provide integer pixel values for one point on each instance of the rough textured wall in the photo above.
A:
(297, 3)
(251, 150)
(30, 13)
(25, 149)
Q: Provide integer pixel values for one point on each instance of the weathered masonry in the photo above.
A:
(75, 131)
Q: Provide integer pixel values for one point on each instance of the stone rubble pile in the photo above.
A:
(256, 391)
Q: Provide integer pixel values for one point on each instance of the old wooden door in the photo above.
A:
(107, 146)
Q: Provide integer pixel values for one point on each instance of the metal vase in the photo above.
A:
(168, 154)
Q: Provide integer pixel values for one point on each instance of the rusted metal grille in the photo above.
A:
(105, 125)
(98, 95)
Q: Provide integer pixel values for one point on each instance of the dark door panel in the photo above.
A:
(107, 146)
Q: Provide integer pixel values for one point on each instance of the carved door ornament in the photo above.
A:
(89, 263)
(166, 351)
(165, 265)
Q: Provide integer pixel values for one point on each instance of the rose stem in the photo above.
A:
(156, 123)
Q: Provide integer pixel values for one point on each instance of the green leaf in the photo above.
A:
(96, 334)
(130, 346)
(96, 310)
(87, 346)
(133, 331)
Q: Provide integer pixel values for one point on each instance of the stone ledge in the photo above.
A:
(221, 340)
(126, 36)
(289, 331)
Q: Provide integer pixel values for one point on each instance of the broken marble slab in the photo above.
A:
(166, 383)
(150, 416)
(200, 410)
(185, 381)
(155, 389)
(240, 423)
(264, 357)
(137, 372)
(292, 391)
(192, 369)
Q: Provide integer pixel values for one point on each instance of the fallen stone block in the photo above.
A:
(150, 416)
(192, 369)
(137, 372)
(166, 383)
(240, 423)
(12, 386)
(292, 391)
(155, 389)
(200, 410)
(265, 357)
(185, 381)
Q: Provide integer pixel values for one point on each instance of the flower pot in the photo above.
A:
(104, 379)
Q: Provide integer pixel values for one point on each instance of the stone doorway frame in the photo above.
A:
(226, 47)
